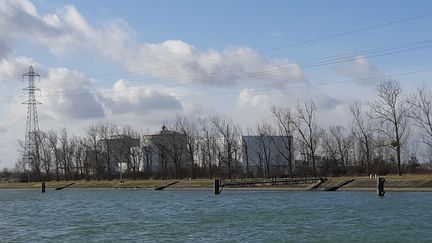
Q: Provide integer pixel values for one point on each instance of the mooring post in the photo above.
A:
(380, 186)
(217, 186)
(43, 187)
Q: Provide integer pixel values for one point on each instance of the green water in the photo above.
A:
(200, 216)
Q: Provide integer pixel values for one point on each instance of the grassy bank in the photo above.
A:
(393, 182)
(150, 184)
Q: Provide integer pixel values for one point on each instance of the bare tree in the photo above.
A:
(330, 146)
(421, 113)
(362, 132)
(175, 145)
(35, 155)
(147, 154)
(190, 132)
(65, 152)
(93, 150)
(130, 146)
(208, 145)
(308, 130)
(46, 156)
(171, 146)
(392, 112)
(246, 150)
(265, 133)
(285, 121)
(107, 132)
(229, 135)
(80, 158)
(53, 141)
(343, 142)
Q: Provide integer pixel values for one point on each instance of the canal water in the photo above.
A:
(199, 216)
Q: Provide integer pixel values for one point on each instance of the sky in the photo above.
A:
(141, 63)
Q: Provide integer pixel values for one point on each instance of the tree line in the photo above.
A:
(374, 142)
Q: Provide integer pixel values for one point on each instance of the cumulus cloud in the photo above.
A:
(248, 97)
(67, 29)
(11, 68)
(255, 105)
(125, 98)
(67, 94)
(359, 69)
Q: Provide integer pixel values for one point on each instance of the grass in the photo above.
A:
(201, 183)
(362, 182)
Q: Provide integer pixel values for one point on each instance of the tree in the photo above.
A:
(190, 132)
(175, 145)
(246, 151)
(208, 145)
(81, 164)
(265, 141)
(391, 111)
(53, 138)
(93, 150)
(329, 146)
(421, 113)
(130, 147)
(106, 132)
(343, 142)
(46, 156)
(362, 132)
(308, 130)
(229, 134)
(36, 153)
(147, 154)
(66, 152)
(285, 121)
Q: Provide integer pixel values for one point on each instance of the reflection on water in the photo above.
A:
(244, 216)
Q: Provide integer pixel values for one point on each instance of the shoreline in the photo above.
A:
(408, 183)
(357, 189)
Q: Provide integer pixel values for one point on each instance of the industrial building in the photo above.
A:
(268, 156)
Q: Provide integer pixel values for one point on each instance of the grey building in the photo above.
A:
(268, 156)
(116, 153)
(166, 152)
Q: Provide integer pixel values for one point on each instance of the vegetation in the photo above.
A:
(378, 141)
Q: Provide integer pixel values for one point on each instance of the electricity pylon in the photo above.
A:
(31, 142)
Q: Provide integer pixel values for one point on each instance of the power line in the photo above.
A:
(390, 51)
(315, 62)
(254, 91)
(326, 37)
(313, 84)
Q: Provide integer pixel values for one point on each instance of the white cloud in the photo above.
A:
(67, 94)
(247, 97)
(11, 68)
(125, 98)
(359, 69)
(253, 105)
(69, 99)
(64, 31)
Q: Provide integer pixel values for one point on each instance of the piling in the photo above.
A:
(43, 187)
(380, 186)
(217, 186)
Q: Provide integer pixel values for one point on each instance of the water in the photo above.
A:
(200, 216)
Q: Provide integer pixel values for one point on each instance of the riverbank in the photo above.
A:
(393, 183)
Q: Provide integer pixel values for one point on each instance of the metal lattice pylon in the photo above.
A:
(32, 124)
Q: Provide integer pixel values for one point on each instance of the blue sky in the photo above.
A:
(260, 25)
(89, 52)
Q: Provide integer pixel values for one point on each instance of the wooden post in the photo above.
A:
(43, 187)
(380, 186)
(217, 186)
